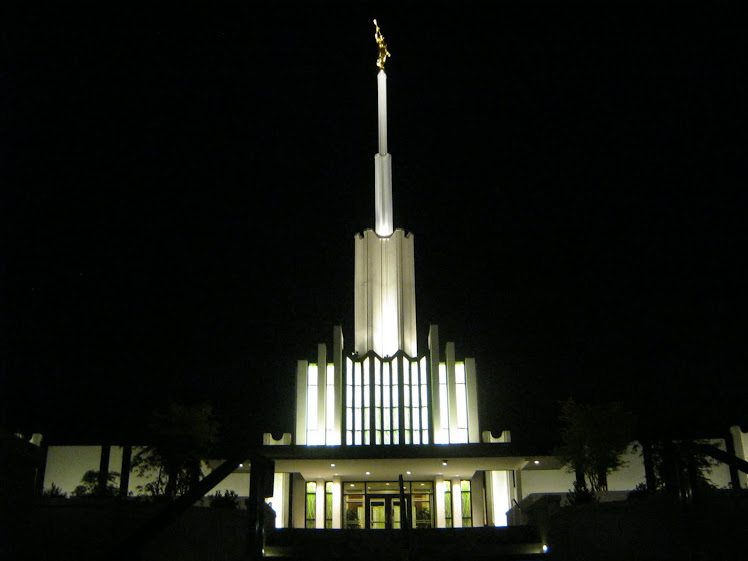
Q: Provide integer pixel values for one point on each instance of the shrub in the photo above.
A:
(54, 492)
(228, 500)
(580, 495)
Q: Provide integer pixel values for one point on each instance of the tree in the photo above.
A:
(90, 485)
(595, 438)
(674, 463)
(54, 492)
(182, 437)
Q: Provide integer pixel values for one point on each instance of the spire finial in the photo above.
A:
(383, 52)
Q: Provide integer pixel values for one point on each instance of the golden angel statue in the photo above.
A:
(383, 52)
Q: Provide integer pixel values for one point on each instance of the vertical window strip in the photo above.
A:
(443, 397)
(348, 401)
(378, 403)
(328, 504)
(395, 403)
(367, 376)
(330, 403)
(387, 403)
(310, 507)
(448, 504)
(407, 410)
(461, 395)
(424, 401)
(467, 510)
(311, 404)
(358, 417)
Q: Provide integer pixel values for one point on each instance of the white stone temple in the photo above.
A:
(369, 413)
(381, 411)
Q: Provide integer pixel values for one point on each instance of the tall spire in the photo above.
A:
(384, 278)
(383, 223)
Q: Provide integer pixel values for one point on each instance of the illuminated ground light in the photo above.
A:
(545, 548)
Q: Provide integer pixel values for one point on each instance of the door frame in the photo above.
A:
(389, 501)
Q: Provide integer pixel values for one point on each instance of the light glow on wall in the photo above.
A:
(280, 499)
(501, 501)
(313, 436)
(461, 400)
(331, 437)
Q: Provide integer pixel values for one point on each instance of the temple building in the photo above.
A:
(385, 433)
(381, 409)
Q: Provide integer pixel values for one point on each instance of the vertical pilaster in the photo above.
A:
(472, 400)
(337, 501)
(337, 358)
(301, 397)
(454, 434)
(320, 510)
(321, 393)
(298, 501)
(477, 499)
(439, 488)
(281, 491)
(456, 503)
(436, 405)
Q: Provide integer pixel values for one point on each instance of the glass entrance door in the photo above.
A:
(384, 512)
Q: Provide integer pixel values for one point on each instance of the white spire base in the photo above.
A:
(385, 294)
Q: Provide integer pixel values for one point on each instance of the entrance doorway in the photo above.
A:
(384, 513)
(376, 504)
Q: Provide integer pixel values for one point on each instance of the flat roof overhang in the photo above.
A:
(412, 462)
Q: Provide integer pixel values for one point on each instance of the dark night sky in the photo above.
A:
(180, 205)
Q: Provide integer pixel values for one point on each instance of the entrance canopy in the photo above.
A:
(387, 463)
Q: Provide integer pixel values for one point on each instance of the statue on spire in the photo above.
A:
(383, 52)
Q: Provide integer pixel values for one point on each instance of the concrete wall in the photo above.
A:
(236, 482)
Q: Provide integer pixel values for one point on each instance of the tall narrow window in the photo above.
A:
(395, 404)
(448, 504)
(310, 510)
(387, 403)
(378, 404)
(424, 402)
(311, 405)
(467, 508)
(358, 403)
(349, 402)
(461, 399)
(331, 437)
(443, 398)
(407, 402)
(367, 400)
(328, 504)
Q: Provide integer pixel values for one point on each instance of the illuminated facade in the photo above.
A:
(383, 430)
(376, 412)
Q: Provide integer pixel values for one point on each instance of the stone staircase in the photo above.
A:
(464, 544)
